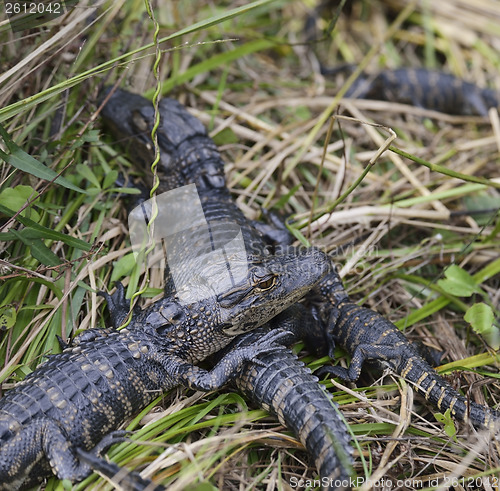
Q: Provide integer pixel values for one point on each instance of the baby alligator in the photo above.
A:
(419, 87)
(423, 88)
(312, 416)
(75, 399)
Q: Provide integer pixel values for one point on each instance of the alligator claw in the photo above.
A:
(118, 306)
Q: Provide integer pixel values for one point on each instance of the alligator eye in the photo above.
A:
(267, 284)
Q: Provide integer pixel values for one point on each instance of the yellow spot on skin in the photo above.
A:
(452, 405)
(14, 426)
(86, 367)
(61, 404)
(407, 369)
(429, 389)
(441, 397)
(52, 392)
(421, 379)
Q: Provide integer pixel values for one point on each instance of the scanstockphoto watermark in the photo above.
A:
(486, 482)
(204, 257)
(27, 14)
(210, 256)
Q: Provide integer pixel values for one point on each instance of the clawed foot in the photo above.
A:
(118, 436)
(269, 343)
(332, 371)
(118, 305)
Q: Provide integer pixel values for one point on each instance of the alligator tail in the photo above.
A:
(285, 387)
(438, 392)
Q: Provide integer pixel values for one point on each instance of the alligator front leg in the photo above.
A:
(227, 367)
(118, 306)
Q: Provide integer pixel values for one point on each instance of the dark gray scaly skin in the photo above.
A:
(428, 89)
(75, 399)
(188, 156)
(313, 417)
(284, 386)
(368, 336)
(61, 418)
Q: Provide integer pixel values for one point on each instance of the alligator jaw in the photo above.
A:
(295, 273)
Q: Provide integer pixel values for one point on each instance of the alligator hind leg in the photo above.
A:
(119, 476)
(42, 448)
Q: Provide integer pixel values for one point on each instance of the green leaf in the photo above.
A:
(449, 425)
(480, 316)
(19, 159)
(36, 230)
(225, 137)
(283, 200)
(16, 198)
(86, 171)
(458, 282)
(39, 250)
(109, 179)
(123, 266)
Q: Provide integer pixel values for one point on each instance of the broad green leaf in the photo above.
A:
(458, 282)
(19, 159)
(109, 179)
(39, 250)
(86, 171)
(480, 316)
(225, 137)
(16, 198)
